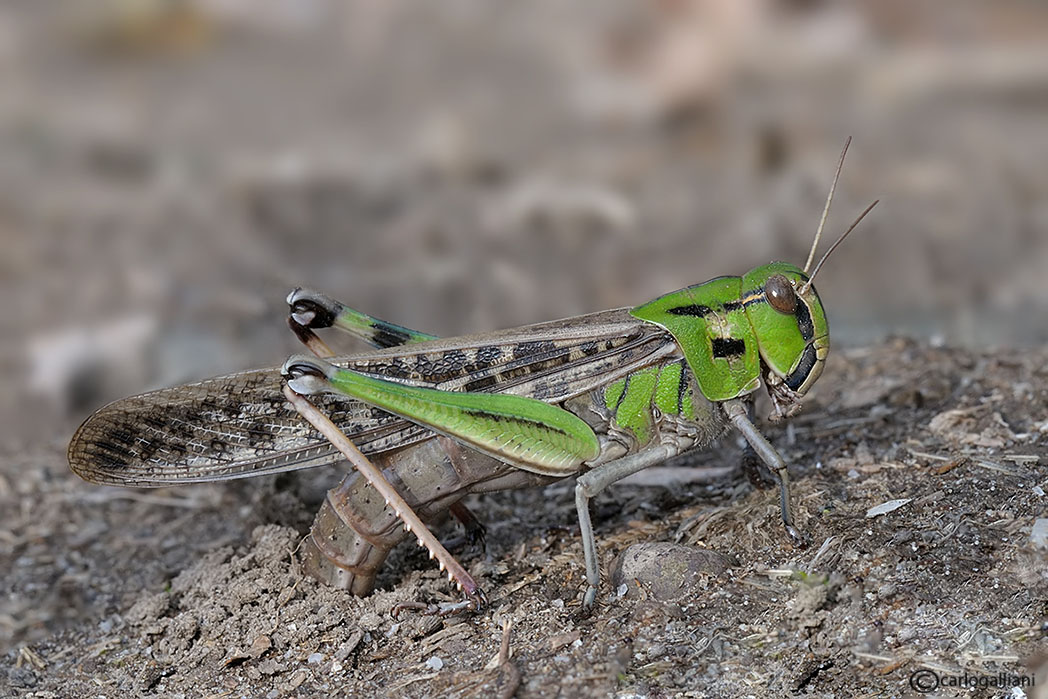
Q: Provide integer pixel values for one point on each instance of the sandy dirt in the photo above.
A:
(948, 581)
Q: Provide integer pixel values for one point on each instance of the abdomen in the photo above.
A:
(355, 530)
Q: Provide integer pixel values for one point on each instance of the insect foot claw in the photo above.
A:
(799, 538)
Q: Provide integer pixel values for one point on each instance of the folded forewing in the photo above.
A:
(239, 425)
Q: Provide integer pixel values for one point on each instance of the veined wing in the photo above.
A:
(230, 426)
(239, 425)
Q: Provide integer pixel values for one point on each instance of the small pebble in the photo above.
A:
(1039, 535)
(315, 658)
(668, 571)
(296, 680)
(435, 663)
(886, 507)
(349, 646)
(370, 621)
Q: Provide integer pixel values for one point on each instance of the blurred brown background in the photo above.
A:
(169, 169)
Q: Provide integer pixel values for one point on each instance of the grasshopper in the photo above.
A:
(427, 421)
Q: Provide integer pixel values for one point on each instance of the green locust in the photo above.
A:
(426, 421)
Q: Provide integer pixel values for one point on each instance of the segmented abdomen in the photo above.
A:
(355, 530)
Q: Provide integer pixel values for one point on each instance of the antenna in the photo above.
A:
(807, 285)
(826, 210)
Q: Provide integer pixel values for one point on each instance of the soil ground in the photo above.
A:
(949, 581)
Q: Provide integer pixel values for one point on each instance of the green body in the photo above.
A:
(725, 329)
(551, 398)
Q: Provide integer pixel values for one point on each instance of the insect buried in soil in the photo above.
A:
(427, 421)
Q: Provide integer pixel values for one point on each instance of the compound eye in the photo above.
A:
(780, 294)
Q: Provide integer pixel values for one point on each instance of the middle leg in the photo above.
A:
(588, 485)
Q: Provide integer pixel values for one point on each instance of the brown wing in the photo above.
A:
(239, 425)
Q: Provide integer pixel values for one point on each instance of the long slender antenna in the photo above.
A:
(826, 210)
(807, 285)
